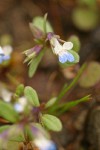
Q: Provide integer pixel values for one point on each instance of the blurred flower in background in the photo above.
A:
(19, 105)
(44, 144)
(5, 53)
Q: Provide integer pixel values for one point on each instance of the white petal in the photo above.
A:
(7, 49)
(57, 47)
(18, 107)
(6, 95)
(44, 144)
(67, 45)
(22, 101)
(1, 51)
(70, 57)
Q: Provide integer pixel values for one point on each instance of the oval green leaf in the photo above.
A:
(85, 19)
(39, 23)
(51, 122)
(91, 75)
(8, 112)
(19, 90)
(3, 128)
(34, 64)
(51, 102)
(31, 96)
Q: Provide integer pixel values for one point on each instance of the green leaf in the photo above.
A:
(40, 129)
(44, 25)
(3, 128)
(89, 3)
(32, 96)
(19, 138)
(51, 122)
(34, 64)
(51, 102)
(85, 18)
(8, 112)
(39, 23)
(76, 43)
(19, 90)
(76, 59)
(6, 39)
(65, 107)
(11, 145)
(91, 75)
(28, 133)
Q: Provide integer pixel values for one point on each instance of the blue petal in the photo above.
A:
(70, 57)
(18, 107)
(1, 60)
(6, 57)
(66, 57)
(49, 146)
(52, 147)
(62, 58)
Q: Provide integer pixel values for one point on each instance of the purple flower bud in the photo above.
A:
(34, 130)
(36, 49)
(4, 134)
(50, 35)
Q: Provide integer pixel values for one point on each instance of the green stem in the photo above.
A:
(67, 106)
(44, 25)
(12, 79)
(67, 88)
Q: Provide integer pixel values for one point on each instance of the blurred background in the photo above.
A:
(67, 17)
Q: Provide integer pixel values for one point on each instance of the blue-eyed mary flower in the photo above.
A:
(44, 144)
(61, 50)
(42, 138)
(5, 53)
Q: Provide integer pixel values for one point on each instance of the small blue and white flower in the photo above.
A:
(20, 105)
(63, 51)
(5, 53)
(44, 144)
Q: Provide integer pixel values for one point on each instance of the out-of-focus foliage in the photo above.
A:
(91, 75)
(8, 112)
(89, 3)
(85, 15)
(85, 19)
(6, 39)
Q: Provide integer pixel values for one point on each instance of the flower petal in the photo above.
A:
(5, 57)
(57, 47)
(7, 49)
(67, 45)
(1, 60)
(65, 56)
(70, 57)
(1, 51)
